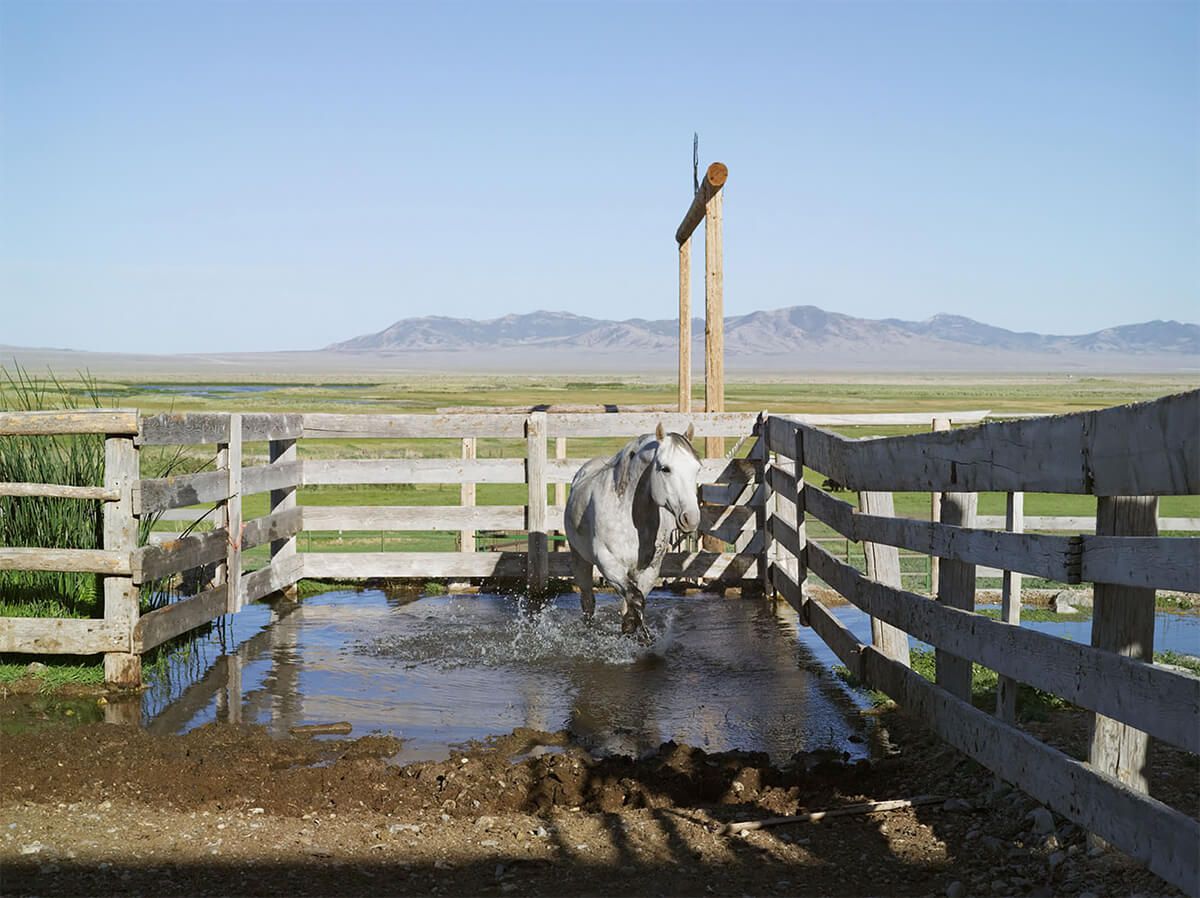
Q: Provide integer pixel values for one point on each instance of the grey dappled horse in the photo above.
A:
(622, 513)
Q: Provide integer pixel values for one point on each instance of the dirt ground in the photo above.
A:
(101, 809)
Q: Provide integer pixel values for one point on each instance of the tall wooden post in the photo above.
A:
(956, 588)
(121, 669)
(685, 325)
(1123, 622)
(714, 318)
(282, 452)
(535, 524)
(706, 206)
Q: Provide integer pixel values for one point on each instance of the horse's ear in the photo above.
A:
(691, 432)
(658, 432)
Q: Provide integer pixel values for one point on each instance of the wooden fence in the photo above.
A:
(1126, 457)
(756, 507)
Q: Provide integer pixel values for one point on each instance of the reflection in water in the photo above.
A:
(720, 674)
(438, 671)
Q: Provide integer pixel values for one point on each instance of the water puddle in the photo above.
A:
(440, 671)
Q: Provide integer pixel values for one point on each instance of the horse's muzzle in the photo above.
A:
(688, 521)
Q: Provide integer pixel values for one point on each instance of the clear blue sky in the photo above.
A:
(188, 177)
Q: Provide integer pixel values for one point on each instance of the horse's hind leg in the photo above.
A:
(582, 569)
(633, 607)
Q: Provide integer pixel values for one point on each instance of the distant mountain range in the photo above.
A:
(798, 329)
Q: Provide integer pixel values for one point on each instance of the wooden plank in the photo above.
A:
(1160, 837)
(1157, 699)
(726, 522)
(732, 494)
(935, 514)
(278, 576)
(261, 427)
(783, 427)
(560, 452)
(62, 636)
(1123, 622)
(1042, 555)
(157, 561)
(322, 425)
(835, 635)
(632, 424)
(122, 668)
(711, 184)
(1146, 449)
(685, 326)
(95, 561)
(364, 565)
(713, 565)
(60, 491)
(883, 566)
(50, 423)
(1010, 606)
(1079, 523)
(414, 470)
(156, 627)
(274, 477)
(415, 517)
(187, 429)
(152, 496)
(1155, 562)
(535, 525)
(783, 532)
(278, 525)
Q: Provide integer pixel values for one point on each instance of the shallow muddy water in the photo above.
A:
(720, 674)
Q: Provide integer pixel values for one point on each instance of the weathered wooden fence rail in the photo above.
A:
(1124, 456)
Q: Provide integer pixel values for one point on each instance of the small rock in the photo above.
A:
(1096, 852)
(34, 667)
(955, 890)
(485, 823)
(1057, 858)
(956, 804)
(1043, 820)
(1061, 605)
(34, 848)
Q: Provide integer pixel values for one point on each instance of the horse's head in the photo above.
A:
(674, 478)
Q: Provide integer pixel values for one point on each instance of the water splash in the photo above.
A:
(545, 636)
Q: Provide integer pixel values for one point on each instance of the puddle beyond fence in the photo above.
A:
(721, 674)
(439, 671)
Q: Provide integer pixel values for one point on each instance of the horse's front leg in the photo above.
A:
(633, 609)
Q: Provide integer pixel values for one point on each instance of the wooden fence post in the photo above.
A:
(282, 452)
(935, 514)
(685, 325)
(1006, 690)
(956, 588)
(883, 566)
(800, 568)
(230, 454)
(121, 669)
(762, 515)
(560, 489)
(538, 563)
(1123, 622)
(466, 538)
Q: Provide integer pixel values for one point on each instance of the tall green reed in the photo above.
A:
(44, 521)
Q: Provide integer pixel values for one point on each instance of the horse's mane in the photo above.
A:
(628, 464)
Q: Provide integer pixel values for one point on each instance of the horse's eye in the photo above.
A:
(666, 469)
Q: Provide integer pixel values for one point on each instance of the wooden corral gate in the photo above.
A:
(1125, 456)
